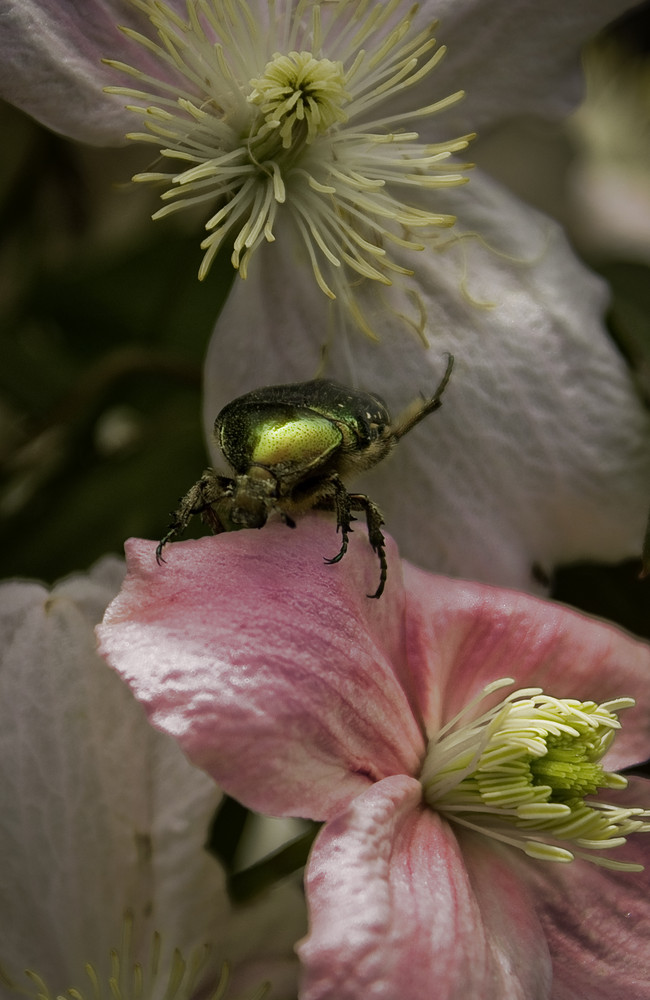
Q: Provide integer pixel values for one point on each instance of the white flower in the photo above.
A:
(104, 823)
(511, 57)
(285, 116)
(297, 111)
(282, 113)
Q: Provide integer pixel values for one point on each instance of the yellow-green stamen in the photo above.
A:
(521, 772)
(298, 89)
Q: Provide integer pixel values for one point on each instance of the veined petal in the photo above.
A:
(50, 64)
(524, 59)
(463, 636)
(537, 386)
(101, 814)
(397, 911)
(273, 670)
(599, 942)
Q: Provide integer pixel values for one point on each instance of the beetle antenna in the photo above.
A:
(419, 410)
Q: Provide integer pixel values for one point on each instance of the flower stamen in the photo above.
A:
(283, 117)
(298, 88)
(522, 771)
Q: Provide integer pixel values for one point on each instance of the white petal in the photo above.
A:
(539, 454)
(50, 65)
(510, 57)
(100, 812)
(513, 56)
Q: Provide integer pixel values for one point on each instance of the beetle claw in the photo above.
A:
(341, 553)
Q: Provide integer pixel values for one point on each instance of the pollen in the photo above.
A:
(294, 119)
(528, 773)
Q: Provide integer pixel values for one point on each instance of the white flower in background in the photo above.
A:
(540, 453)
(510, 56)
(321, 115)
(103, 828)
(285, 113)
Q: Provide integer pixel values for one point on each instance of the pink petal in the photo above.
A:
(396, 913)
(597, 921)
(461, 636)
(276, 673)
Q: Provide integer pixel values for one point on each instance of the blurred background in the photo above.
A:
(103, 323)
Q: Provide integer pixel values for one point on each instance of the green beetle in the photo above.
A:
(291, 448)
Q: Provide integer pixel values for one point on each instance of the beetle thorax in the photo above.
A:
(253, 498)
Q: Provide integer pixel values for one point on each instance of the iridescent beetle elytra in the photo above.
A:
(291, 447)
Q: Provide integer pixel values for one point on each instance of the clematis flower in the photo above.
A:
(268, 113)
(307, 115)
(478, 837)
(106, 886)
(306, 110)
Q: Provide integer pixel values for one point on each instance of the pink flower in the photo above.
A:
(300, 696)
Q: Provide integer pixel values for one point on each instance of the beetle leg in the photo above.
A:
(374, 520)
(198, 500)
(338, 500)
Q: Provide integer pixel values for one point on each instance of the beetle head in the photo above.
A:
(252, 500)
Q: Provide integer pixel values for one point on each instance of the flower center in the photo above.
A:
(298, 91)
(521, 772)
(291, 118)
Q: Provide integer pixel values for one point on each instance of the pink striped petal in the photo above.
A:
(461, 636)
(597, 922)
(399, 910)
(276, 673)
